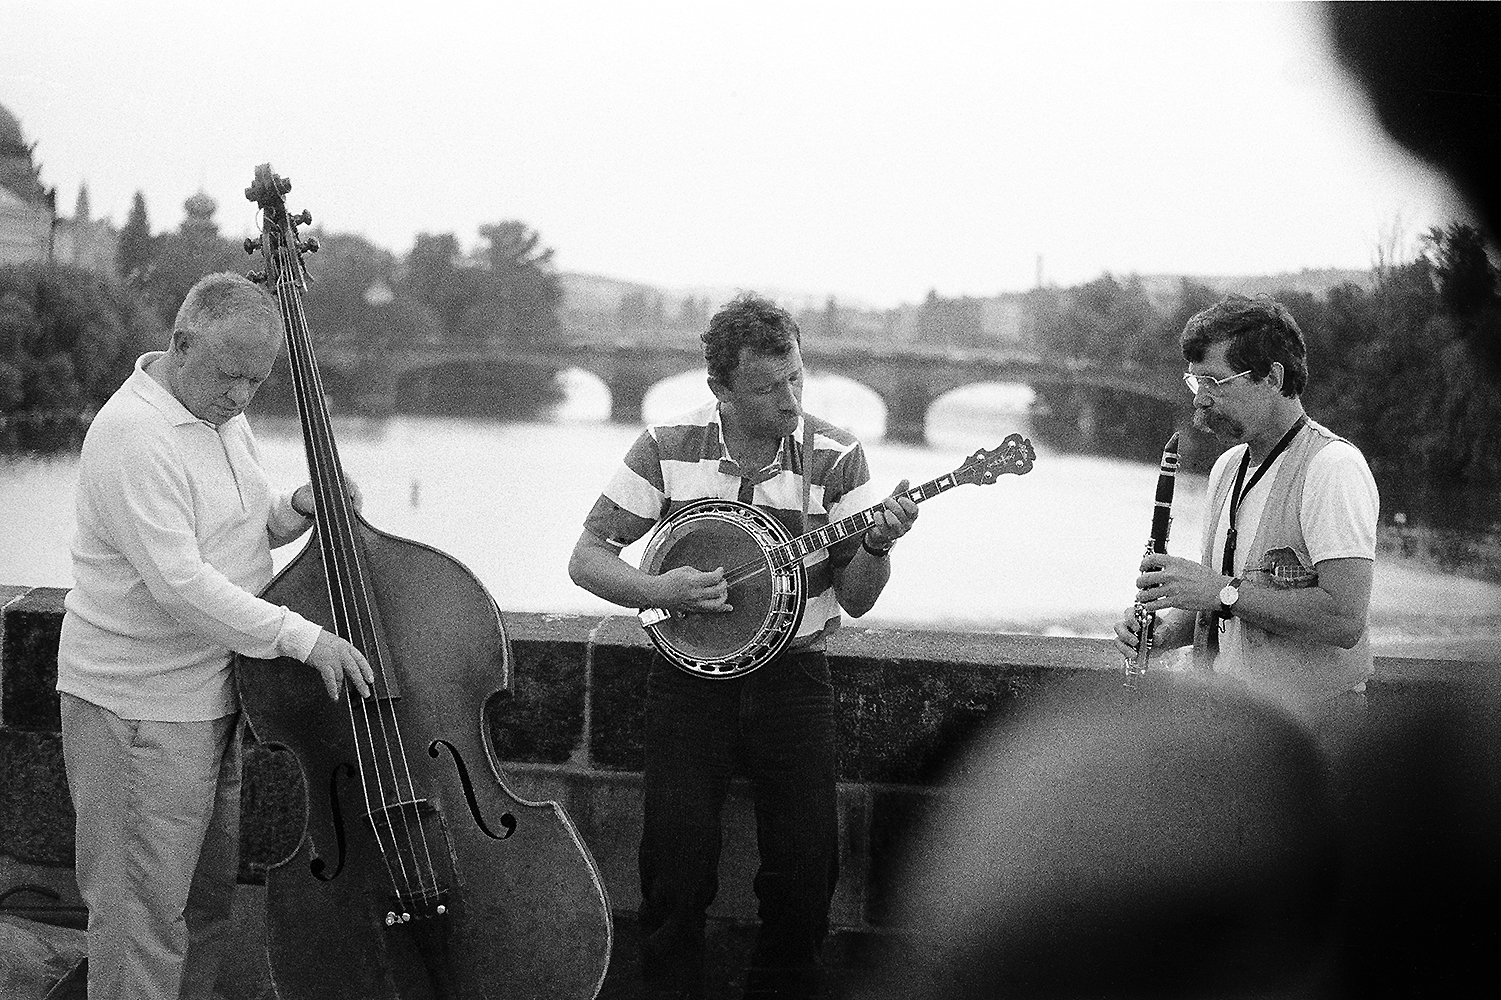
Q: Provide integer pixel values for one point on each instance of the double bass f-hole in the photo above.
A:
(506, 819)
(319, 867)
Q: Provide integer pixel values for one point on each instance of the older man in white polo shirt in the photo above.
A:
(176, 520)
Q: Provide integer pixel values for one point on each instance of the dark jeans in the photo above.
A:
(775, 725)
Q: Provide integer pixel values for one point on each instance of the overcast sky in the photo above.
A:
(870, 151)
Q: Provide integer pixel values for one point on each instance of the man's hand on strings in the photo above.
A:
(693, 590)
(337, 663)
(304, 503)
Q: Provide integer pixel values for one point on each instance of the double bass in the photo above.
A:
(419, 875)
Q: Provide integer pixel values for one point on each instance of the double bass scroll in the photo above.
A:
(419, 874)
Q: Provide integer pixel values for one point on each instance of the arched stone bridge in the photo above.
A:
(907, 379)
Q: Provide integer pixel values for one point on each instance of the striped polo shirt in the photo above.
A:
(674, 463)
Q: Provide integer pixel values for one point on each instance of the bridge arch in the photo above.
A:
(908, 379)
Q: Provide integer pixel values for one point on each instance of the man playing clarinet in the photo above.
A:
(1280, 596)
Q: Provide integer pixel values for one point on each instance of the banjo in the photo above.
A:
(764, 568)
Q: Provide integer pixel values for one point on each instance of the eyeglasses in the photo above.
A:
(1197, 382)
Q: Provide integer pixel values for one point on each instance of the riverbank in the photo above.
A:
(1051, 553)
(1417, 610)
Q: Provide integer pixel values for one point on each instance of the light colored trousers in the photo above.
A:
(158, 848)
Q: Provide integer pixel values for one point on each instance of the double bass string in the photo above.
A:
(345, 577)
(307, 381)
(343, 562)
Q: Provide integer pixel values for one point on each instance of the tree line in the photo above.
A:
(1398, 367)
(1406, 368)
(69, 336)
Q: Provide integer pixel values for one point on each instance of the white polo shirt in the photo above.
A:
(176, 520)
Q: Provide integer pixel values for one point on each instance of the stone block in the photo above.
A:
(606, 808)
(32, 622)
(619, 706)
(36, 812)
(541, 719)
(895, 815)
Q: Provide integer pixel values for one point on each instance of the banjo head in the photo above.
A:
(767, 601)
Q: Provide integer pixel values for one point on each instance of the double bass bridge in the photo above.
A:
(425, 904)
(410, 835)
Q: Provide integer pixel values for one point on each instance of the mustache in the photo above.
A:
(1219, 424)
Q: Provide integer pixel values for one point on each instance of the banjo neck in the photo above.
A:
(836, 531)
(1013, 455)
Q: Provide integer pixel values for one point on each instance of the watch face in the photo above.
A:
(1229, 594)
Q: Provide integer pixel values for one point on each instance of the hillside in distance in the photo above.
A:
(599, 293)
(597, 307)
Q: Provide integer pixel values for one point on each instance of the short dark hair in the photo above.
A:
(747, 320)
(1260, 331)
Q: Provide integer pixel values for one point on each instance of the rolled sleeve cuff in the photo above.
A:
(297, 636)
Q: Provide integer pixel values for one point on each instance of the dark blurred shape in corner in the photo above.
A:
(1433, 74)
(1199, 842)
(1180, 844)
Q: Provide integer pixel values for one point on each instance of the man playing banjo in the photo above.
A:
(776, 724)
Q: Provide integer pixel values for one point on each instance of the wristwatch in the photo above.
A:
(1229, 594)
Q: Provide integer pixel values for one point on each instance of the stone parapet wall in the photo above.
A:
(909, 703)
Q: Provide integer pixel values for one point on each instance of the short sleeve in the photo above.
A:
(633, 500)
(1340, 505)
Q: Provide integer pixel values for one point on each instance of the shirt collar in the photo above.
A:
(158, 395)
(730, 467)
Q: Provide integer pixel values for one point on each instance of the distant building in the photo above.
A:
(84, 241)
(27, 209)
(30, 228)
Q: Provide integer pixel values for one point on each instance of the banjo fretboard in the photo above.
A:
(836, 531)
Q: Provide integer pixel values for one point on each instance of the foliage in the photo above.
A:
(516, 294)
(640, 313)
(504, 294)
(137, 247)
(434, 276)
(1405, 369)
(950, 321)
(68, 338)
(178, 259)
(1118, 325)
(353, 301)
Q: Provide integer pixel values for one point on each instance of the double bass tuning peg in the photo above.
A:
(311, 244)
(303, 218)
(252, 244)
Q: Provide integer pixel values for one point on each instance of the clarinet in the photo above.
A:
(1162, 520)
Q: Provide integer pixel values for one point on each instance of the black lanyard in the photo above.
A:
(1227, 564)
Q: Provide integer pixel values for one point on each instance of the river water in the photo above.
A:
(1053, 551)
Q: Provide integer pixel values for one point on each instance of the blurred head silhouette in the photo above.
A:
(1178, 843)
